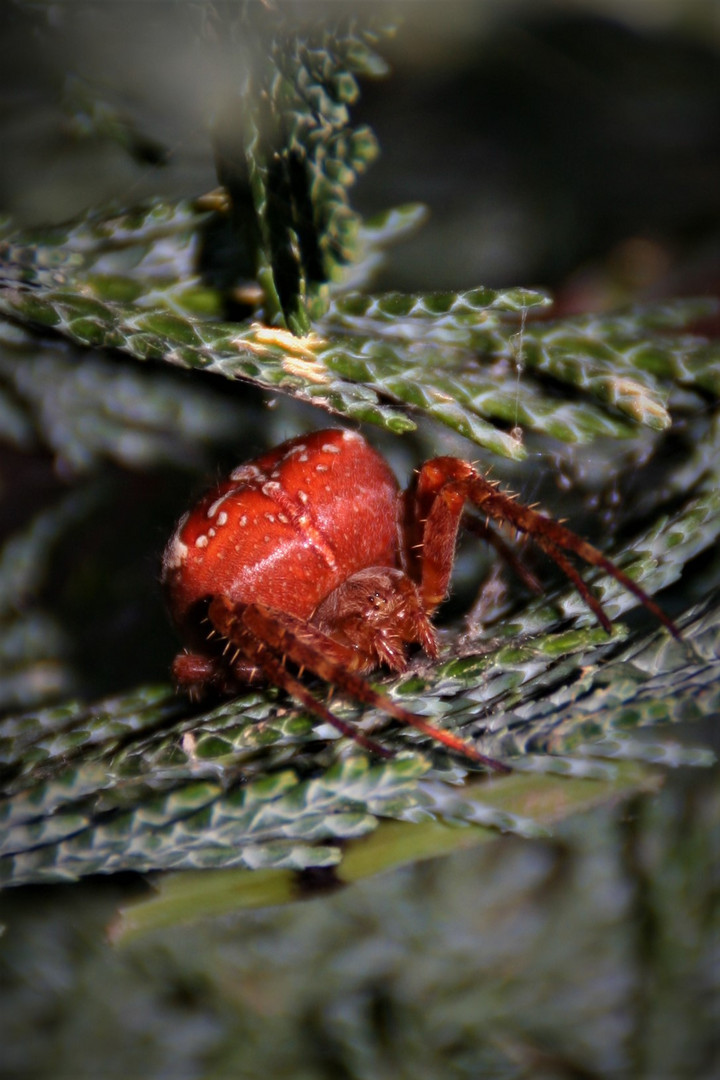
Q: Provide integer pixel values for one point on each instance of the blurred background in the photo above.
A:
(542, 136)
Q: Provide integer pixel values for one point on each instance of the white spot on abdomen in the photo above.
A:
(176, 551)
(246, 472)
(213, 509)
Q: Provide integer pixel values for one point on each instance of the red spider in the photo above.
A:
(312, 554)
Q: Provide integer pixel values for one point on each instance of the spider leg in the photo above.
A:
(578, 582)
(271, 663)
(310, 648)
(443, 487)
(483, 530)
(555, 538)
(197, 674)
(278, 674)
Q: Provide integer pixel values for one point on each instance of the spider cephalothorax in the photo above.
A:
(312, 554)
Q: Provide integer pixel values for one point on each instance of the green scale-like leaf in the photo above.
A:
(278, 820)
(352, 375)
(302, 157)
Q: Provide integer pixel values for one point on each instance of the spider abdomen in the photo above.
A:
(285, 529)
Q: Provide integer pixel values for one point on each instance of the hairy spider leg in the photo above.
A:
(444, 486)
(481, 529)
(266, 637)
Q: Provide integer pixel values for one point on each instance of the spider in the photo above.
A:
(312, 554)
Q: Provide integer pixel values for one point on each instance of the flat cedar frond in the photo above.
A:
(298, 156)
(135, 781)
(479, 390)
